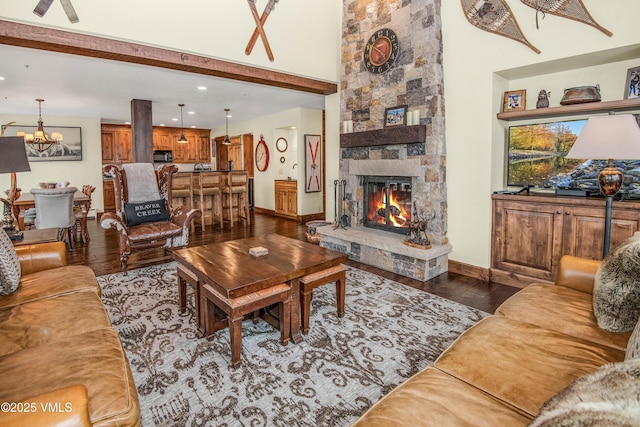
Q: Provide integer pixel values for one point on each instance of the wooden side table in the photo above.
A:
(35, 236)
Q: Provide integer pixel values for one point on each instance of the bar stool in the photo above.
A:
(236, 196)
(310, 282)
(236, 308)
(182, 191)
(209, 193)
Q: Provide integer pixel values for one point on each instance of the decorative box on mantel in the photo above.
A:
(387, 136)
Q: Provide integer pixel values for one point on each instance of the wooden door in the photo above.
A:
(108, 148)
(527, 238)
(109, 196)
(204, 149)
(247, 145)
(123, 146)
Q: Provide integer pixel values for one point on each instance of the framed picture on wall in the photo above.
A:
(632, 88)
(395, 116)
(69, 149)
(313, 163)
(514, 100)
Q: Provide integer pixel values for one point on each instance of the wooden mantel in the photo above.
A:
(387, 136)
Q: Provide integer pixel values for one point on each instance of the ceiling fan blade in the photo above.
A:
(70, 11)
(42, 7)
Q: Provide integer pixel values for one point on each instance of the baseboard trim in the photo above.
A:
(516, 280)
(470, 270)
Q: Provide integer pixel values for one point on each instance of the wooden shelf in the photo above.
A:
(386, 136)
(568, 110)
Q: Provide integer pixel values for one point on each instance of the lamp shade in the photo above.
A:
(14, 155)
(616, 136)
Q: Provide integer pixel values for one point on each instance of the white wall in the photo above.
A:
(479, 66)
(78, 173)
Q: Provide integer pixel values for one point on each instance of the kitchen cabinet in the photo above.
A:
(116, 144)
(532, 232)
(286, 193)
(108, 195)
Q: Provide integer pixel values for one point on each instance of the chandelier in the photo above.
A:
(183, 139)
(39, 140)
(226, 141)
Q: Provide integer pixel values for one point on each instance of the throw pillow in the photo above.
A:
(143, 212)
(633, 346)
(609, 397)
(9, 265)
(616, 291)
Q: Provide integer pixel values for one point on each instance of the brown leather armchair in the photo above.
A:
(170, 232)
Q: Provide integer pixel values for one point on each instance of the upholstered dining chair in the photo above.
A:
(145, 218)
(54, 209)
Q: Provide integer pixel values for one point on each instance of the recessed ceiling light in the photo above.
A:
(162, 124)
(193, 126)
(1, 78)
(202, 88)
(293, 127)
(174, 119)
(127, 123)
(191, 112)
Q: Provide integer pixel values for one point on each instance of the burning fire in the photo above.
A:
(397, 215)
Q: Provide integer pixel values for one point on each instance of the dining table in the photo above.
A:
(26, 201)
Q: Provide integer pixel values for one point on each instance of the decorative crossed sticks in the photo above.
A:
(43, 6)
(259, 31)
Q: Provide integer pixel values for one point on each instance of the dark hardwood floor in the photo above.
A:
(102, 255)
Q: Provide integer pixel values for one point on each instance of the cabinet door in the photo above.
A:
(292, 202)
(527, 238)
(109, 196)
(162, 141)
(234, 153)
(584, 230)
(123, 146)
(204, 149)
(108, 148)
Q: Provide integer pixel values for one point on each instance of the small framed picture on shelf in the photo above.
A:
(514, 100)
(632, 88)
(395, 116)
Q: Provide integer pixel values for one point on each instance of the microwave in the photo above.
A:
(162, 156)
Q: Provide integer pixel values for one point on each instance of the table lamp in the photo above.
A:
(14, 159)
(616, 136)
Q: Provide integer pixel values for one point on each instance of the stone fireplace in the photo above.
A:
(414, 154)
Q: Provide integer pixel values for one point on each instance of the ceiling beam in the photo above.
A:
(34, 37)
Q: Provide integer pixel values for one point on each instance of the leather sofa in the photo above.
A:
(503, 369)
(61, 362)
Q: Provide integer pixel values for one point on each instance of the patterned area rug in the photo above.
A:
(344, 365)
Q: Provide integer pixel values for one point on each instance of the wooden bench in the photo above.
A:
(310, 282)
(236, 308)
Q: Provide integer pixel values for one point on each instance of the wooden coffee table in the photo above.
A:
(35, 236)
(231, 271)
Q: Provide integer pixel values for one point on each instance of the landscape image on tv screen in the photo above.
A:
(537, 157)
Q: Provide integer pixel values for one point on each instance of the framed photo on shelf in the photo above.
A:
(313, 163)
(395, 116)
(514, 100)
(69, 149)
(632, 88)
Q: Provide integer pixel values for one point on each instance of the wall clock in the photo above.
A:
(381, 51)
(262, 155)
(281, 145)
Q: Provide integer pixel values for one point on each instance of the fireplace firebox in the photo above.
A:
(387, 203)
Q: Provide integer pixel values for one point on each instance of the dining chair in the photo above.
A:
(81, 212)
(54, 209)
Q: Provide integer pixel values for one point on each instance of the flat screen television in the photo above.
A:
(537, 158)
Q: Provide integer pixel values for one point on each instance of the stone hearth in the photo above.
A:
(386, 251)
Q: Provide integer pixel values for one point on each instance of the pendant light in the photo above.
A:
(39, 140)
(183, 139)
(226, 141)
